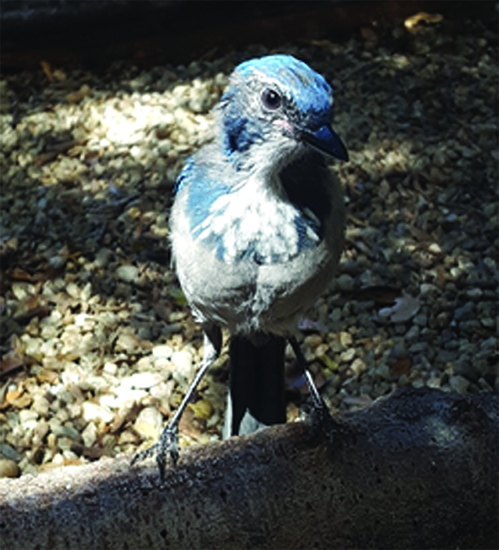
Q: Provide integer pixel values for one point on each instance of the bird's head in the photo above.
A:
(278, 104)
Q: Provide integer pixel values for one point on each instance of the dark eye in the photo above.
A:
(271, 99)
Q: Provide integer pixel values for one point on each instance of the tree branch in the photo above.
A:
(416, 470)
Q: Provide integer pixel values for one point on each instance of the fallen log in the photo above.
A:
(416, 470)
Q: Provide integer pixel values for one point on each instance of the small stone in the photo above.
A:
(358, 367)
(435, 248)
(335, 315)
(143, 380)
(465, 368)
(32, 346)
(89, 435)
(40, 432)
(127, 342)
(421, 320)
(345, 282)
(28, 418)
(9, 452)
(57, 261)
(64, 443)
(9, 468)
(162, 363)
(474, 293)
(149, 423)
(183, 364)
(368, 278)
(102, 257)
(312, 341)
(412, 335)
(488, 322)
(202, 409)
(459, 384)
(124, 395)
(489, 345)
(162, 391)
(443, 319)
(41, 405)
(383, 371)
(348, 355)
(95, 412)
(445, 356)
(49, 331)
(22, 290)
(128, 273)
(464, 312)
(73, 290)
(435, 382)
(418, 347)
(345, 339)
(110, 368)
(81, 319)
(162, 350)
(427, 288)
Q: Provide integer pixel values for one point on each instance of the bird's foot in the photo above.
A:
(166, 450)
(323, 424)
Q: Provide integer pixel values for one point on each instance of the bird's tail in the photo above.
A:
(256, 394)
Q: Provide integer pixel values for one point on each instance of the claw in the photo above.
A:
(166, 451)
(142, 455)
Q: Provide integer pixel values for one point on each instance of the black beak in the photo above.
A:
(327, 141)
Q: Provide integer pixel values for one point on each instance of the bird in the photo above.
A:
(257, 231)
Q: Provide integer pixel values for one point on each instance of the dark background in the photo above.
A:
(94, 33)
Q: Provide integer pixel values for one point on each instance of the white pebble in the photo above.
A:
(149, 423)
(162, 350)
(142, 380)
(127, 273)
(110, 368)
(183, 363)
(94, 412)
(89, 434)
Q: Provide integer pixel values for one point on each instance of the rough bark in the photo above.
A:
(416, 470)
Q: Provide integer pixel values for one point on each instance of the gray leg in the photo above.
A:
(320, 412)
(167, 446)
(316, 398)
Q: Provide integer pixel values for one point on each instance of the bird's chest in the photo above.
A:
(247, 262)
(253, 225)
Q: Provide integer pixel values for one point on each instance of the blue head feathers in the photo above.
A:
(279, 95)
(307, 89)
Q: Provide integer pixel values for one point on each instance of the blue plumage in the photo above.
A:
(300, 85)
(257, 231)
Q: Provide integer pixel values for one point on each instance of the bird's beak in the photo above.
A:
(327, 141)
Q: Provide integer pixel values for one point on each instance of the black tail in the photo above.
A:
(256, 395)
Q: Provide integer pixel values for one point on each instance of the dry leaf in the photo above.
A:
(368, 34)
(412, 22)
(405, 307)
(10, 362)
(380, 294)
(47, 70)
(306, 324)
(202, 409)
(189, 425)
(400, 366)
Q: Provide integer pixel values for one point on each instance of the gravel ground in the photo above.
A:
(97, 343)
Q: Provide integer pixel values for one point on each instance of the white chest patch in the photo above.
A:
(251, 223)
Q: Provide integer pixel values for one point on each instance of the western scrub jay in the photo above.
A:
(257, 231)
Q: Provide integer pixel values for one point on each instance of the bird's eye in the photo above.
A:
(271, 99)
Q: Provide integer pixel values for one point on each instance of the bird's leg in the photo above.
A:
(167, 446)
(320, 412)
